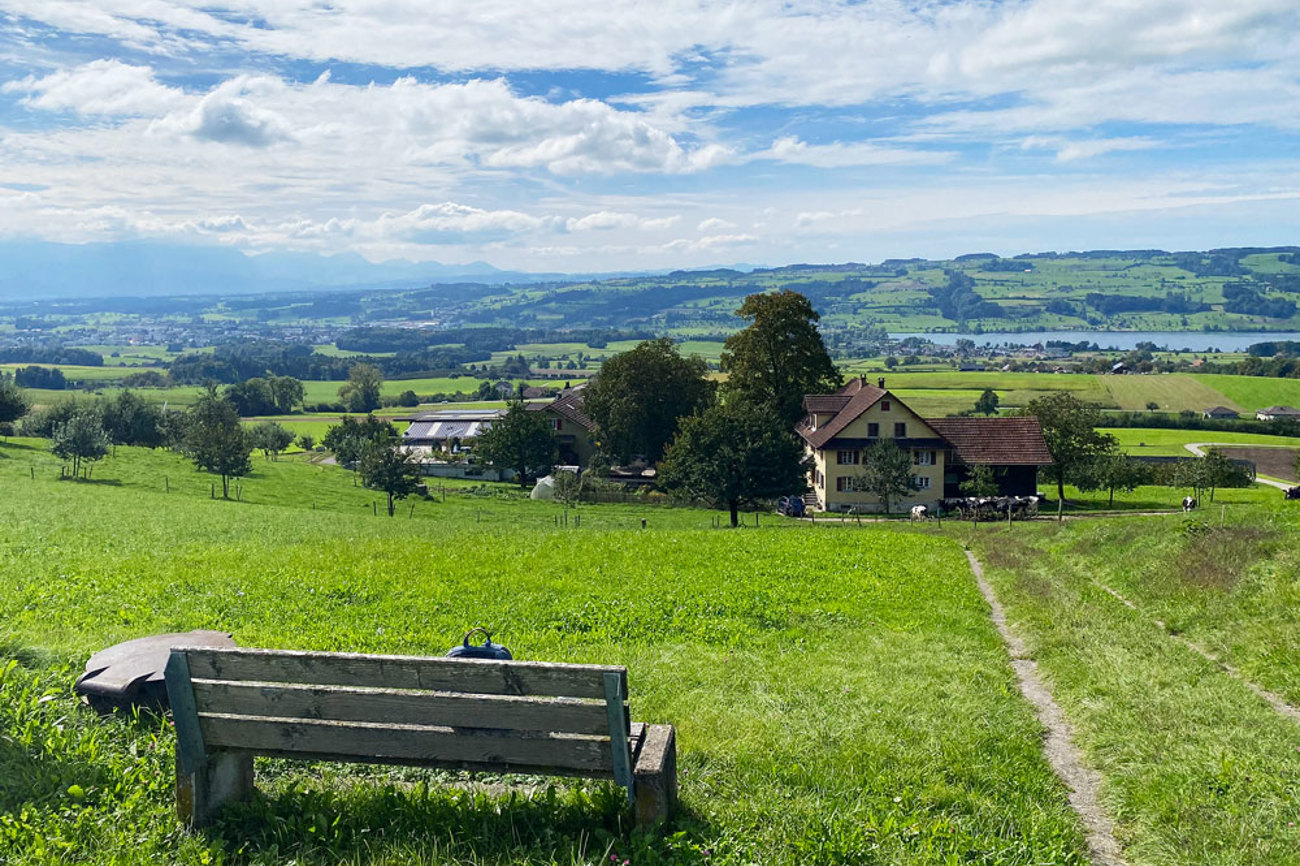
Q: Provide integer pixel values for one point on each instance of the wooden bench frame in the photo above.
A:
(232, 703)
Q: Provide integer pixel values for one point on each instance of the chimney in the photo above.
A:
(880, 383)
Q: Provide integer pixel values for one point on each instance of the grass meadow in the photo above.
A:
(1196, 768)
(835, 702)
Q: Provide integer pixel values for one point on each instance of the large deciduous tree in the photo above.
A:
(215, 440)
(732, 454)
(386, 466)
(361, 392)
(639, 396)
(520, 440)
(780, 357)
(1069, 427)
(886, 472)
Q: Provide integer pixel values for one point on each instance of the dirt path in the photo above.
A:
(1276, 701)
(1065, 758)
(1198, 448)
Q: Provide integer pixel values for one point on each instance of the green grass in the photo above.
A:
(1252, 393)
(835, 702)
(1159, 442)
(1195, 768)
(1173, 391)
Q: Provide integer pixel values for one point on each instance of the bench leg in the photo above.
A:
(225, 776)
(656, 776)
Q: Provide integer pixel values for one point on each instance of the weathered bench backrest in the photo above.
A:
(480, 715)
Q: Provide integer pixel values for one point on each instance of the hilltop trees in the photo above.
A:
(215, 440)
(780, 357)
(520, 440)
(361, 392)
(269, 395)
(732, 454)
(639, 395)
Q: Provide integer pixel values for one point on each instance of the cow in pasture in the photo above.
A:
(920, 512)
(1292, 493)
(1189, 503)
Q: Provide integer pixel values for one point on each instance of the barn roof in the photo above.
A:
(1012, 441)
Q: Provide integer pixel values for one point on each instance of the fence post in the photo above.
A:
(374, 508)
(212, 491)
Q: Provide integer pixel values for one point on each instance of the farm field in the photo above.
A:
(1252, 393)
(1195, 767)
(834, 703)
(1159, 442)
(1175, 392)
(1271, 461)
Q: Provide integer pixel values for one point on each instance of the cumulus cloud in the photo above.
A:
(101, 87)
(228, 116)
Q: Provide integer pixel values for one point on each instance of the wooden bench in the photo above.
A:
(230, 704)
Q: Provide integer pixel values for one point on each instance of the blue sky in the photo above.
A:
(579, 136)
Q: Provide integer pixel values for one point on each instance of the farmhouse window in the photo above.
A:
(884, 405)
(821, 479)
(559, 424)
(921, 482)
(923, 458)
(846, 458)
(873, 430)
(900, 430)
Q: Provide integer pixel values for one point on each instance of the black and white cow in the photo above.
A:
(1292, 493)
(1189, 503)
(920, 512)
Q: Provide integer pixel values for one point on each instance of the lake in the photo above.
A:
(1196, 341)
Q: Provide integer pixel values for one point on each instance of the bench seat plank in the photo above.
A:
(333, 703)
(348, 741)
(402, 672)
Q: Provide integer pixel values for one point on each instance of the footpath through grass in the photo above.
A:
(1196, 768)
(840, 697)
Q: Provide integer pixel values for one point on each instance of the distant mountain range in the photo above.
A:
(39, 270)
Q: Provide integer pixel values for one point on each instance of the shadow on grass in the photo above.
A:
(435, 823)
(101, 482)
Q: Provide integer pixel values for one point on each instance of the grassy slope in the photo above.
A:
(834, 702)
(1153, 441)
(1255, 392)
(1196, 768)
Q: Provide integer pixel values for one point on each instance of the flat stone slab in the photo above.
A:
(130, 674)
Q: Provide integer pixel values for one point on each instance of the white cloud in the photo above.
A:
(1071, 151)
(605, 220)
(714, 224)
(843, 155)
(101, 87)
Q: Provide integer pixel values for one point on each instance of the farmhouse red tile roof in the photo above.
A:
(569, 405)
(861, 397)
(995, 441)
(825, 402)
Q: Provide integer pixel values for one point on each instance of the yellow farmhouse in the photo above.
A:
(839, 427)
